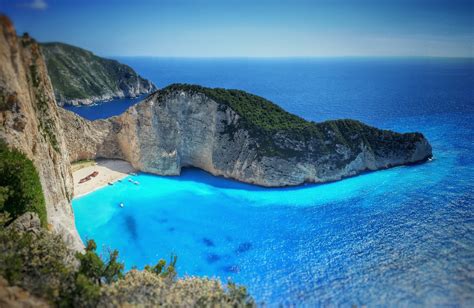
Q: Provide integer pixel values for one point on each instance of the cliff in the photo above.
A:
(30, 123)
(238, 135)
(80, 77)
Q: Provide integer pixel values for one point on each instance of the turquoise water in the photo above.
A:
(402, 236)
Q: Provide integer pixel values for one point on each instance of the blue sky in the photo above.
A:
(252, 28)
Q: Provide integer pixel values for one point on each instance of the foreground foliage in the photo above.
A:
(40, 263)
(145, 288)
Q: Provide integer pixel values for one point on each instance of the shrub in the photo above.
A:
(37, 262)
(20, 186)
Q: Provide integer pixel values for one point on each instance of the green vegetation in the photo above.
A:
(256, 110)
(20, 186)
(79, 74)
(161, 270)
(93, 267)
(42, 264)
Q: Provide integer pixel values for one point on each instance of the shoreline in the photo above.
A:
(109, 170)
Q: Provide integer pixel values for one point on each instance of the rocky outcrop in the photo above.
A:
(80, 78)
(29, 122)
(238, 135)
(28, 222)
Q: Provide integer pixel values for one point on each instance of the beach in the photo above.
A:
(109, 170)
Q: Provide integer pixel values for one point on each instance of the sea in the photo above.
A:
(397, 237)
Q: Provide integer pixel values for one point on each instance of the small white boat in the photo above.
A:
(132, 173)
(110, 183)
(130, 180)
(136, 183)
(121, 204)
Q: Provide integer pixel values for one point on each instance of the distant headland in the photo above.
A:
(81, 78)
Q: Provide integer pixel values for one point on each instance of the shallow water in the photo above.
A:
(402, 236)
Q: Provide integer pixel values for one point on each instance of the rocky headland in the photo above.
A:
(237, 135)
(81, 78)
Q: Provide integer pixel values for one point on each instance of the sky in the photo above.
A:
(252, 28)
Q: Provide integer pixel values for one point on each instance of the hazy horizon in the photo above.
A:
(246, 29)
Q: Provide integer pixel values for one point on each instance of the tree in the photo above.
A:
(160, 270)
(95, 269)
(113, 270)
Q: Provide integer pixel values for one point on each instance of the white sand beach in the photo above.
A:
(110, 170)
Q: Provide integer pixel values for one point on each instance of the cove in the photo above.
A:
(403, 233)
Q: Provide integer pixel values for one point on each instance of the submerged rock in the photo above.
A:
(238, 135)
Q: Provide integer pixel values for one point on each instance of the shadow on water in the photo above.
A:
(192, 174)
(208, 242)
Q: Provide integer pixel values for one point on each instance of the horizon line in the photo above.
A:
(268, 57)
(293, 57)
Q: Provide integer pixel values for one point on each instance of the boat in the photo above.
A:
(130, 180)
(121, 204)
(136, 183)
(110, 183)
(132, 173)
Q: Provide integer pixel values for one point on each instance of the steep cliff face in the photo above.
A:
(30, 123)
(238, 135)
(79, 77)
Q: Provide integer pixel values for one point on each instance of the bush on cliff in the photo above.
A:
(20, 186)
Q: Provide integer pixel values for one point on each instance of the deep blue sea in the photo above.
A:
(398, 237)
